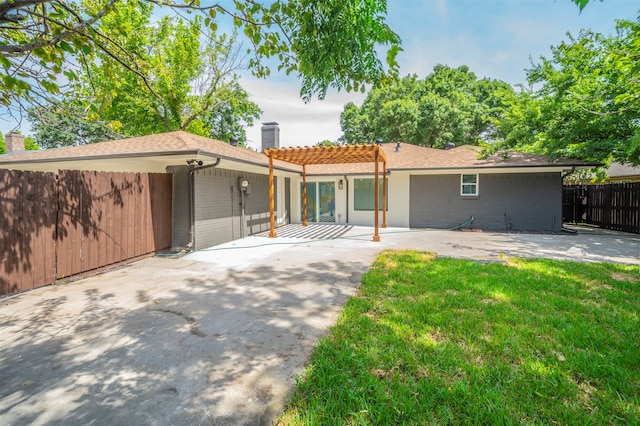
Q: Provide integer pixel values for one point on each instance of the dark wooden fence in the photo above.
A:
(611, 206)
(56, 226)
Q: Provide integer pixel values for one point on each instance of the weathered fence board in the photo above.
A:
(110, 211)
(27, 230)
(611, 206)
(52, 227)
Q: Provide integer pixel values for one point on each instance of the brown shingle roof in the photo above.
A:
(408, 157)
(171, 143)
(413, 157)
(618, 170)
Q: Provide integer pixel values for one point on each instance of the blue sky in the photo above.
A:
(495, 38)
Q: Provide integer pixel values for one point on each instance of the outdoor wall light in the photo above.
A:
(340, 184)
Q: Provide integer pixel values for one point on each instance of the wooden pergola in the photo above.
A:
(305, 156)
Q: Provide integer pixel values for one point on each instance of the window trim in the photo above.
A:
(476, 185)
(380, 190)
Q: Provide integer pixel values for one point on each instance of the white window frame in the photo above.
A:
(356, 194)
(475, 185)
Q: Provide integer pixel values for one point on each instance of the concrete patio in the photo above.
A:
(217, 336)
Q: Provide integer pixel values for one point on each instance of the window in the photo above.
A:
(469, 185)
(363, 195)
(321, 201)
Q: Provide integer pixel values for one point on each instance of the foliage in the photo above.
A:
(581, 3)
(30, 144)
(190, 84)
(584, 101)
(327, 142)
(3, 146)
(53, 127)
(334, 43)
(449, 105)
(449, 341)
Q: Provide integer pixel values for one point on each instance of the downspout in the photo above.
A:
(567, 173)
(192, 199)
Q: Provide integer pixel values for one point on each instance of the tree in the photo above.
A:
(449, 105)
(3, 146)
(51, 126)
(333, 43)
(327, 142)
(581, 3)
(30, 144)
(191, 85)
(585, 104)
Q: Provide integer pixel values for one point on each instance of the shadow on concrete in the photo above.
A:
(217, 348)
(189, 341)
(313, 231)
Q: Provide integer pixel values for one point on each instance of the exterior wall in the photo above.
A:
(532, 201)
(398, 202)
(397, 209)
(218, 205)
(285, 217)
(180, 207)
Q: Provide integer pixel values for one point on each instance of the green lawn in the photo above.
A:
(430, 340)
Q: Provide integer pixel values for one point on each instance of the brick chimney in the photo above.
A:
(14, 142)
(270, 135)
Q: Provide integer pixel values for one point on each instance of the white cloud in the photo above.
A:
(300, 124)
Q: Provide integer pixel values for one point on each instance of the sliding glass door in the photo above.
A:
(321, 202)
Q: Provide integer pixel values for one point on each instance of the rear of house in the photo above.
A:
(434, 188)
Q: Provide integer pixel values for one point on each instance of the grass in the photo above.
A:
(451, 341)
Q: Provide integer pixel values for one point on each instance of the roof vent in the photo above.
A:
(449, 145)
(379, 142)
(397, 146)
(233, 141)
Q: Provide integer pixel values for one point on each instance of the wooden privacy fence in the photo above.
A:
(613, 206)
(55, 226)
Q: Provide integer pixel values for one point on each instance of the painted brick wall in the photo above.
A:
(180, 209)
(533, 202)
(218, 208)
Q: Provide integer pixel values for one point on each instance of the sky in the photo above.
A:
(496, 39)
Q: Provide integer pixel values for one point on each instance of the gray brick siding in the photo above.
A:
(218, 209)
(180, 209)
(532, 201)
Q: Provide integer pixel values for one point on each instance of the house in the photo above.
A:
(435, 188)
(221, 192)
(623, 173)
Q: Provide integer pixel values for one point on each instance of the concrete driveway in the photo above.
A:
(217, 336)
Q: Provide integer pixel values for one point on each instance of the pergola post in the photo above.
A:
(384, 194)
(304, 195)
(272, 222)
(376, 190)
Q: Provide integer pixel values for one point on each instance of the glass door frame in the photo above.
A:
(321, 201)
